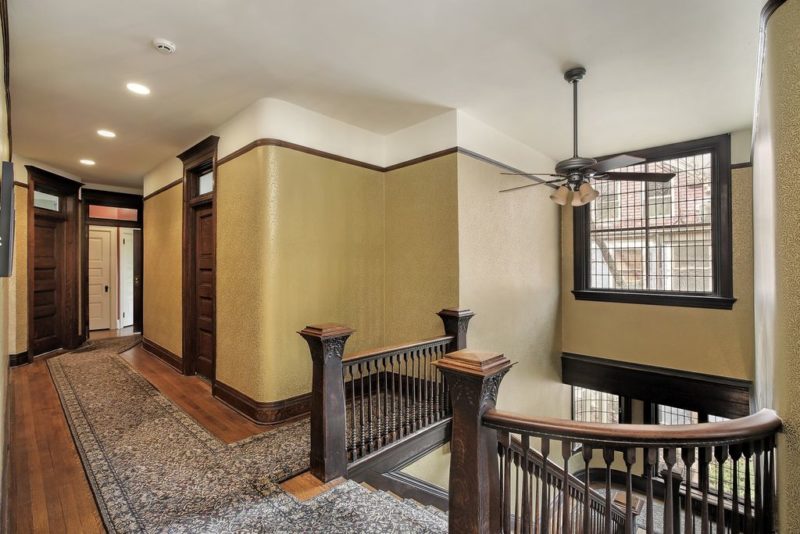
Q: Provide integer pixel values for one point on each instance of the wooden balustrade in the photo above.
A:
(725, 471)
(365, 401)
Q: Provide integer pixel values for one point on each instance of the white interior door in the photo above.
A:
(100, 277)
(126, 277)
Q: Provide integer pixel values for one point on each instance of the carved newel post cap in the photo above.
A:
(456, 312)
(473, 362)
(326, 330)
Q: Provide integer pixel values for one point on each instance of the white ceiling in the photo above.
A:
(659, 71)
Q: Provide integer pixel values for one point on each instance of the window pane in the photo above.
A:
(593, 406)
(116, 214)
(650, 236)
(205, 183)
(45, 201)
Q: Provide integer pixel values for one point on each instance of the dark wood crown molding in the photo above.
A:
(262, 413)
(204, 150)
(716, 395)
(51, 180)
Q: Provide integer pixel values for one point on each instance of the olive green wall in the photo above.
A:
(777, 208)
(162, 298)
(717, 342)
(421, 248)
(300, 241)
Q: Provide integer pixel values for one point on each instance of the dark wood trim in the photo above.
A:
(313, 151)
(300, 148)
(114, 200)
(67, 190)
(725, 397)
(721, 234)
(162, 189)
(5, 481)
(163, 354)
(20, 184)
(199, 157)
(745, 165)
(262, 413)
(19, 358)
(659, 299)
(7, 70)
(770, 6)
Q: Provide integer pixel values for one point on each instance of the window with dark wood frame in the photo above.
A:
(666, 244)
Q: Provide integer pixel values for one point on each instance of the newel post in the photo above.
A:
(328, 446)
(474, 379)
(455, 322)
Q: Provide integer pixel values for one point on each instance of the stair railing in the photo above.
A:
(489, 493)
(360, 403)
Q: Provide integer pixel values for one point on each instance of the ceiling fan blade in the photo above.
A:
(530, 174)
(636, 176)
(530, 185)
(616, 162)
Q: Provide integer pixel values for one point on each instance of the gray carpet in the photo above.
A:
(152, 468)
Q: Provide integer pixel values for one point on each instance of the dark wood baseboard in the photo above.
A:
(5, 480)
(18, 359)
(716, 395)
(163, 354)
(383, 468)
(262, 413)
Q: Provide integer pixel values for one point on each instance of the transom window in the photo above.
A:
(660, 243)
(592, 406)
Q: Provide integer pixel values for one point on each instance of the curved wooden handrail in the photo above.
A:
(373, 354)
(760, 425)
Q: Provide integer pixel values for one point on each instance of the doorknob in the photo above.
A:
(106, 289)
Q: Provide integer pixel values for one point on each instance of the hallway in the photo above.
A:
(49, 490)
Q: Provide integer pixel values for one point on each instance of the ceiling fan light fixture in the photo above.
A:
(585, 194)
(561, 196)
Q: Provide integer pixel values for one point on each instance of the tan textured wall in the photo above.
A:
(163, 236)
(717, 342)
(778, 284)
(314, 242)
(509, 275)
(421, 248)
(18, 283)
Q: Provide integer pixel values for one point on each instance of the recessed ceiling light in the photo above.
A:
(88, 162)
(106, 133)
(138, 88)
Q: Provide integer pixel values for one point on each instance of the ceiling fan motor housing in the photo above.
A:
(576, 164)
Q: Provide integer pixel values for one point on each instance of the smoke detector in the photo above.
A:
(164, 46)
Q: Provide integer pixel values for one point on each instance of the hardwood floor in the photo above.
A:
(104, 334)
(49, 491)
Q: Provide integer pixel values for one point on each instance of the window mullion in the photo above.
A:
(646, 233)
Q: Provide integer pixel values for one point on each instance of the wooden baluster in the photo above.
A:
(759, 519)
(404, 390)
(721, 454)
(670, 457)
(353, 420)
(650, 465)
(630, 459)
(505, 470)
(769, 485)
(527, 515)
(378, 412)
(608, 456)
(687, 455)
(414, 388)
(386, 401)
(544, 516)
(566, 524)
(747, 450)
(427, 364)
(370, 415)
(517, 482)
(736, 454)
(587, 493)
(438, 385)
(705, 520)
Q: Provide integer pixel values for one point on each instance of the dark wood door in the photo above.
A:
(138, 286)
(48, 299)
(204, 291)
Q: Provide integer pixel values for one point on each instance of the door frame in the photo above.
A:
(198, 157)
(113, 200)
(67, 191)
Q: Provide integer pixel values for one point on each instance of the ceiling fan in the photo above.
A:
(574, 173)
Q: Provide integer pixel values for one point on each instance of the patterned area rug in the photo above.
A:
(152, 468)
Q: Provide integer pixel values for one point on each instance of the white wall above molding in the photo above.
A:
(112, 188)
(21, 174)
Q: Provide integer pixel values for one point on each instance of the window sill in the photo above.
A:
(656, 299)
